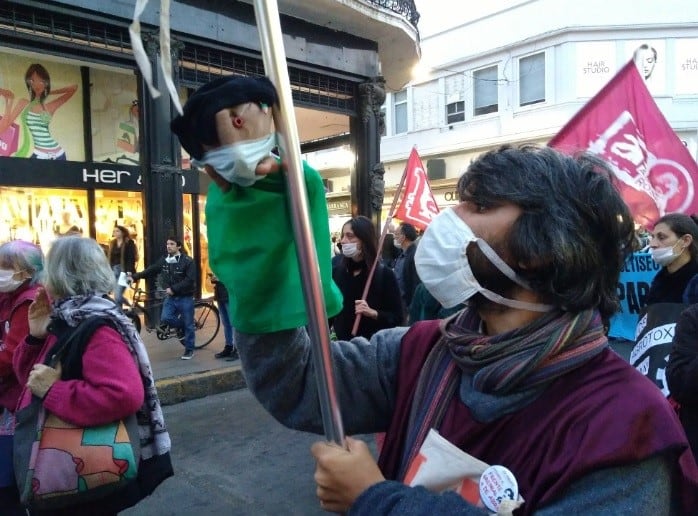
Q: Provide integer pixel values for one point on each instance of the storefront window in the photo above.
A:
(40, 108)
(206, 285)
(115, 110)
(40, 215)
(114, 208)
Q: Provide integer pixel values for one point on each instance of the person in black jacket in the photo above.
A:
(220, 295)
(674, 246)
(682, 373)
(382, 307)
(405, 270)
(123, 255)
(177, 277)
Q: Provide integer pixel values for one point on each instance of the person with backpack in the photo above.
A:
(72, 369)
(21, 265)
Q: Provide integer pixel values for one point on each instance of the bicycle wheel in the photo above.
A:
(207, 322)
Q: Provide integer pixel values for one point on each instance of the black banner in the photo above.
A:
(40, 173)
(655, 335)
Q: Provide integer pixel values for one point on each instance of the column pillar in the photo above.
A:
(367, 186)
(160, 160)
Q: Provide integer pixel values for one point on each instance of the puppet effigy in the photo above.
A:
(227, 128)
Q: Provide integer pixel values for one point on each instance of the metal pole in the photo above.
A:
(274, 55)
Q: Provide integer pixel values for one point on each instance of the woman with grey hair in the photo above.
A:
(82, 388)
(21, 264)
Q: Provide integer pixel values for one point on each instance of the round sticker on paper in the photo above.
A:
(497, 484)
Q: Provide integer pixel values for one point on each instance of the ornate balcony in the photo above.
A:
(390, 23)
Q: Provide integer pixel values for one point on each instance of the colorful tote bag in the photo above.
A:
(59, 465)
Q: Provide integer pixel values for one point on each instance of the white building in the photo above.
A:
(519, 74)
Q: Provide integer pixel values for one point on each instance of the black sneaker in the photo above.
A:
(188, 355)
(233, 356)
(227, 351)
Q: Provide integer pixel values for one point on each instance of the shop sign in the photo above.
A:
(105, 176)
(73, 174)
(340, 207)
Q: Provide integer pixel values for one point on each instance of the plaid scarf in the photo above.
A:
(521, 359)
(155, 440)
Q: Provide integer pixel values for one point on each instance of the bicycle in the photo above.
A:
(207, 320)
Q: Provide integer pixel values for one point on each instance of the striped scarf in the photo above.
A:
(526, 357)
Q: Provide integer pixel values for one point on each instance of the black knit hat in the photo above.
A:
(198, 126)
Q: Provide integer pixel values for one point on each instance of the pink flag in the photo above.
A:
(418, 205)
(623, 124)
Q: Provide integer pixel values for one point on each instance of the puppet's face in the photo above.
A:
(248, 121)
(245, 142)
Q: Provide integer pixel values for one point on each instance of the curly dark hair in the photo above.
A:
(575, 231)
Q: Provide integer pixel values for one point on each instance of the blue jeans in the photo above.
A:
(118, 289)
(227, 325)
(178, 312)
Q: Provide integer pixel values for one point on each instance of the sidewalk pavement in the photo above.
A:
(182, 380)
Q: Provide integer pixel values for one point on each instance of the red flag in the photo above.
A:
(623, 124)
(418, 205)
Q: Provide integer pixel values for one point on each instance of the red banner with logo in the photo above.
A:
(418, 205)
(622, 123)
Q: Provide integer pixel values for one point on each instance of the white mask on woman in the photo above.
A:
(237, 162)
(443, 267)
(350, 249)
(7, 281)
(665, 255)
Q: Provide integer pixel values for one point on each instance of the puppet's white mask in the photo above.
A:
(237, 162)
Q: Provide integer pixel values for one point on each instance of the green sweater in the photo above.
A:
(253, 252)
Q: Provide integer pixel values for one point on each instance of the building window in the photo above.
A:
(400, 112)
(532, 79)
(485, 91)
(381, 123)
(455, 112)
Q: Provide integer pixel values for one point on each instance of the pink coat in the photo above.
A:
(111, 387)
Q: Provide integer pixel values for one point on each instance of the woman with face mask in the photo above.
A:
(21, 264)
(674, 246)
(382, 307)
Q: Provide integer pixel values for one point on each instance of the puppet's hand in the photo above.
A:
(268, 166)
(217, 178)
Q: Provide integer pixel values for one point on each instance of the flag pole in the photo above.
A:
(274, 56)
(388, 220)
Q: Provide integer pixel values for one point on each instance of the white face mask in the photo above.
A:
(664, 255)
(237, 162)
(350, 249)
(397, 243)
(7, 281)
(443, 267)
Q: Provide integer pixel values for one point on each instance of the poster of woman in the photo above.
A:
(41, 116)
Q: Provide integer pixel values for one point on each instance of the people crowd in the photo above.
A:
(489, 327)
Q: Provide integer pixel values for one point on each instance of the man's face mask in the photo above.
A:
(442, 265)
(237, 162)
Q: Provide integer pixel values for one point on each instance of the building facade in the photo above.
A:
(519, 74)
(83, 146)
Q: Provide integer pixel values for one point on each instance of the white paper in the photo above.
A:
(441, 466)
(123, 280)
